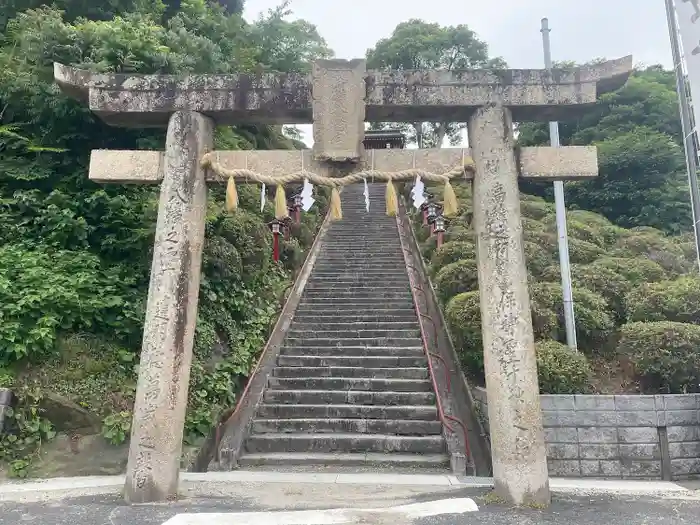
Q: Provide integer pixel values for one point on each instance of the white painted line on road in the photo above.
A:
(327, 517)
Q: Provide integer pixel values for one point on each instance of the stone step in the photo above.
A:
(398, 427)
(320, 324)
(338, 316)
(354, 351)
(357, 249)
(347, 411)
(337, 397)
(390, 462)
(362, 257)
(340, 335)
(389, 280)
(346, 442)
(377, 272)
(366, 293)
(363, 361)
(386, 265)
(307, 342)
(341, 304)
(355, 384)
(356, 287)
(352, 314)
(389, 274)
(352, 371)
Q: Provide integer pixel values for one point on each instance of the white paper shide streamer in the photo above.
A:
(418, 192)
(263, 192)
(307, 199)
(366, 194)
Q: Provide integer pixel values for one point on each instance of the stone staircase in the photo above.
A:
(351, 385)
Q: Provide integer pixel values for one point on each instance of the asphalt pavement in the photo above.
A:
(277, 503)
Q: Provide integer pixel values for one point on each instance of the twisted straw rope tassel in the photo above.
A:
(450, 200)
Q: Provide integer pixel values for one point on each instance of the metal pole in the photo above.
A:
(691, 158)
(560, 205)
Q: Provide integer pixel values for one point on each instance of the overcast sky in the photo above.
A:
(581, 29)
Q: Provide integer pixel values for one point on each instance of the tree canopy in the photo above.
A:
(416, 44)
(642, 181)
(75, 255)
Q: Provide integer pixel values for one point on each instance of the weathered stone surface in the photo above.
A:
(638, 435)
(67, 415)
(684, 450)
(599, 451)
(619, 436)
(635, 403)
(515, 417)
(597, 435)
(565, 468)
(684, 468)
(601, 469)
(561, 402)
(560, 435)
(595, 402)
(400, 96)
(147, 166)
(161, 394)
(338, 103)
(562, 451)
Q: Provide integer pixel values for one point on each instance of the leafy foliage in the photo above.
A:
(75, 256)
(620, 276)
(25, 430)
(416, 44)
(665, 355)
(642, 179)
(561, 370)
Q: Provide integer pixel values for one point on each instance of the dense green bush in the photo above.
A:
(459, 232)
(665, 355)
(537, 258)
(654, 245)
(536, 209)
(451, 252)
(600, 279)
(463, 317)
(583, 252)
(561, 370)
(44, 292)
(455, 278)
(677, 300)
(636, 270)
(593, 321)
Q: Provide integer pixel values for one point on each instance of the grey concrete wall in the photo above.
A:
(652, 437)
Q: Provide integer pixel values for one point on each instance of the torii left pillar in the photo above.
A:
(166, 355)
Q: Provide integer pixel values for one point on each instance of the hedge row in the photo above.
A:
(636, 297)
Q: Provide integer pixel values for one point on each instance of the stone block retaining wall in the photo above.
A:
(652, 437)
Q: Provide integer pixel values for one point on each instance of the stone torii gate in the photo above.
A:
(338, 97)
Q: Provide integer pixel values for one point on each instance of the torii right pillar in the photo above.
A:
(519, 454)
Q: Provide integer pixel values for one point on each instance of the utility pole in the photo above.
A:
(560, 205)
(691, 154)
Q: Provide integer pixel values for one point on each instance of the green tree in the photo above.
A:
(93, 244)
(417, 44)
(642, 179)
(287, 46)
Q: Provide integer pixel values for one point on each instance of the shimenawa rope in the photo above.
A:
(450, 206)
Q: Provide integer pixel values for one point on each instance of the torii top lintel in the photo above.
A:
(131, 100)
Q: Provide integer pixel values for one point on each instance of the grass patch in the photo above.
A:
(97, 375)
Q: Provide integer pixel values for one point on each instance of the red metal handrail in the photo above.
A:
(444, 418)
